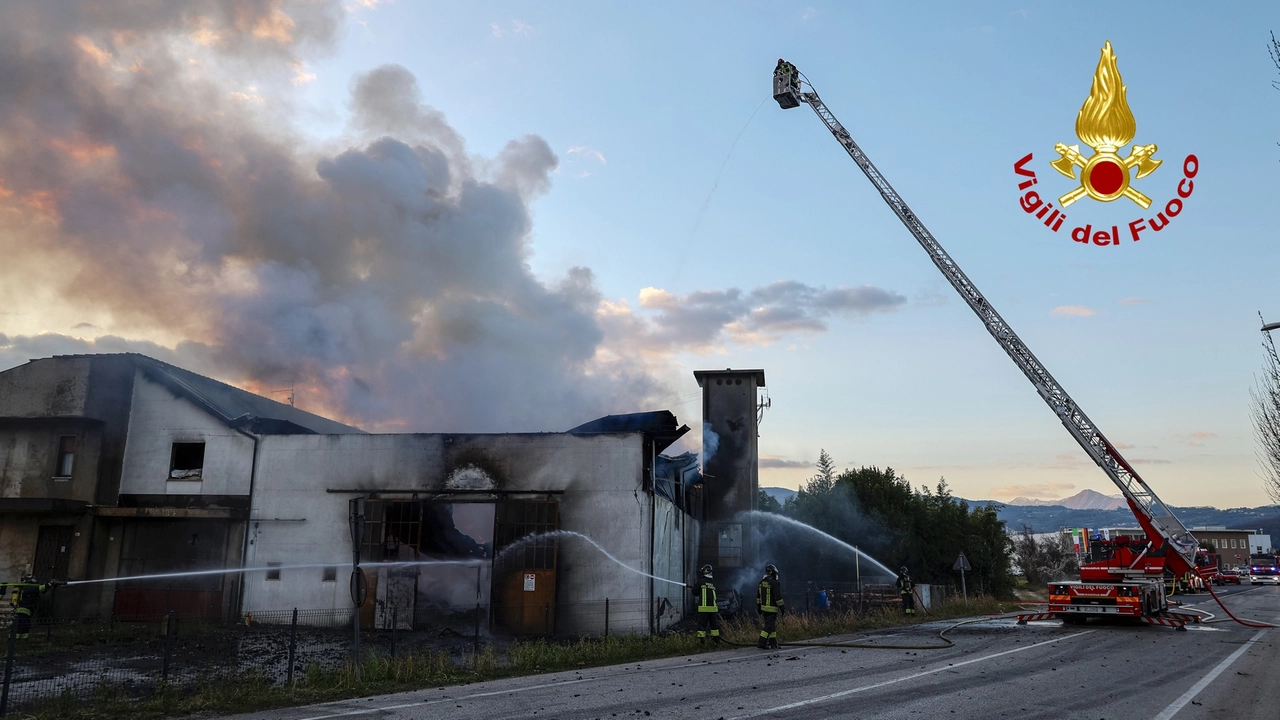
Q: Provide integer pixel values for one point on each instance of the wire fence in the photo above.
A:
(133, 656)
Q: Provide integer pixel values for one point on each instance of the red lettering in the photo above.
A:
(1027, 203)
(1019, 168)
(1164, 222)
(1102, 237)
(1135, 227)
(1190, 186)
(1190, 166)
(1173, 207)
(1081, 234)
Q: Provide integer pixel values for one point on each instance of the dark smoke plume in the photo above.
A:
(153, 185)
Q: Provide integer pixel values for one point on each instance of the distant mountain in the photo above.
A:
(1083, 500)
(779, 494)
(1050, 518)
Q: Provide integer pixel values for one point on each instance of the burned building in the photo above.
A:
(730, 462)
(119, 464)
(532, 531)
(116, 466)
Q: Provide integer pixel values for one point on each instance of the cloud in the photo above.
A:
(775, 461)
(1198, 435)
(808, 13)
(385, 273)
(1132, 301)
(1037, 490)
(1150, 461)
(588, 152)
(514, 27)
(1072, 311)
(1123, 446)
(300, 74)
(705, 319)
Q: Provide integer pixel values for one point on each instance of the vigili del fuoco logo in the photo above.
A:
(1106, 125)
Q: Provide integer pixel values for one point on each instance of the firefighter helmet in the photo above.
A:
(705, 571)
(771, 571)
(28, 578)
(903, 570)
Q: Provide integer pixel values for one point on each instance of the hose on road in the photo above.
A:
(942, 635)
(1246, 623)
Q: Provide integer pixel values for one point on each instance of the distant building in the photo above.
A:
(1232, 545)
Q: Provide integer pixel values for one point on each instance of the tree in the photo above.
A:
(766, 503)
(1265, 404)
(1043, 561)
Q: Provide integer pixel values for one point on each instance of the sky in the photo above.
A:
(490, 217)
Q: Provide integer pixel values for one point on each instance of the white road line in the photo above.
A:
(864, 688)
(421, 703)
(1178, 704)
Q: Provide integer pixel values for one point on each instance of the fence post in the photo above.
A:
(546, 620)
(606, 617)
(293, 643)
(395, 621)
(168, 645)
(8, 670)
(475, 641)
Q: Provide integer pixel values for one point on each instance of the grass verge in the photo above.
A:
(380, 675)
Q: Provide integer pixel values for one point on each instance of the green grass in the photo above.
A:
(381, 675)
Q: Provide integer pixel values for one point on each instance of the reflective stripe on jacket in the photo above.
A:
(769, 596)
(707, 600)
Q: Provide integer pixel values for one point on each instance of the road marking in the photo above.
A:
(1178, 704)
(864, 688)
(420, 703)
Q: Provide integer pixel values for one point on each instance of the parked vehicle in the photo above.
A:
(1227, 577)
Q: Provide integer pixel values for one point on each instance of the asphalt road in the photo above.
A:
(996, 669)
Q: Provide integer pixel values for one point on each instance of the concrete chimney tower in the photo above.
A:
(730, 464)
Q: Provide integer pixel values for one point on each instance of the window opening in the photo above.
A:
(186, 461)
(274, 572)
(66, 456)
(330, 574)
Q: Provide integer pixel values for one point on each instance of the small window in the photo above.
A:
(66, 456)
(330, 574)
(273, 571)
(186, 462)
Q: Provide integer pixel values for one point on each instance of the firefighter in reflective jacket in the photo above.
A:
(23, 601)
(708, 611)
(769, 604)
(906, 591)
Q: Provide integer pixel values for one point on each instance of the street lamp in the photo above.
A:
(1271, 326)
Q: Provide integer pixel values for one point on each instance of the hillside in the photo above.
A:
(1043, 518)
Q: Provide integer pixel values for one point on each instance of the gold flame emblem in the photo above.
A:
(1106, 124)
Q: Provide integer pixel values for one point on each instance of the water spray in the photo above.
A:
(554, 533)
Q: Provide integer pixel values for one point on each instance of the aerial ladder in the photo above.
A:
(1129, 581)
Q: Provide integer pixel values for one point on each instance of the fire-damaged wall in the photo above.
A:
(730, 461)
(567, 490)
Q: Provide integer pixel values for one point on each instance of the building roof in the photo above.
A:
(236, 408)
(661, 425)
(701, 375)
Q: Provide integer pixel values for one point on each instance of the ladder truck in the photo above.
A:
(1129, 582)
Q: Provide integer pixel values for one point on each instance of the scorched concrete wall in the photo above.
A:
(158, 420)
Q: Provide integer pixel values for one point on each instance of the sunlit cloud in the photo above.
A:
(777, 461)
(1034, 490)
(1072, 311)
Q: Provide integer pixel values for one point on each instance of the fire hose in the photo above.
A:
(1246, 623)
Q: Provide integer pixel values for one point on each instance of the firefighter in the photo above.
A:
(708, 611)
(23, 601)
(906, 590)
(769, 605)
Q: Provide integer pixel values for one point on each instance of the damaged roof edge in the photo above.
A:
(660, 425)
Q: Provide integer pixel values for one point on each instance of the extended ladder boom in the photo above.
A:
(1154, 516)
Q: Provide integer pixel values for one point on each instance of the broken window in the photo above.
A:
(273, 571)
(330, 574)
(186, 461)
(66, 456)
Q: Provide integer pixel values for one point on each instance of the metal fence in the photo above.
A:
(87, 657)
